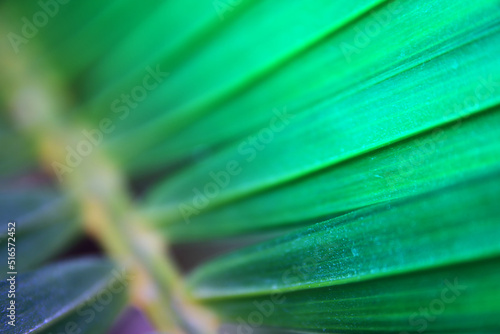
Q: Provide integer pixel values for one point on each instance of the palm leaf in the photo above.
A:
(372, 262)
(354, 145)
(83, 295)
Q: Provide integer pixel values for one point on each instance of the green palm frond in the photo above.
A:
(354, 145)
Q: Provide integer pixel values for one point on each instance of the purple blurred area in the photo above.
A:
(132, 321)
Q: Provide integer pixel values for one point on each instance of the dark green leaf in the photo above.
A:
(45, 224)
(82, 296)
